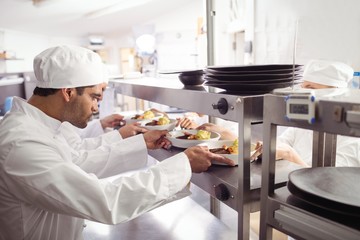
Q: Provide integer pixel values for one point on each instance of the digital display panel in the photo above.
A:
(299, 108)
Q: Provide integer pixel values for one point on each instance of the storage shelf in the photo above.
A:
(279, 208)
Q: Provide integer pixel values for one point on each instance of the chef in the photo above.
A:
(295, 144)
(51, 179)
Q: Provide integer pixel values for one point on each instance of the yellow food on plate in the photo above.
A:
(202, 135)
(148, 114)
(163, 121)
(233, 149)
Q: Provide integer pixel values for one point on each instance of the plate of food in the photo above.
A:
(162, 123)
(191, 137)
(229, 149)
(145, 116)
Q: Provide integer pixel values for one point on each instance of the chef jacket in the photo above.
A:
(50, 179)
(93, 129)
(347, 148)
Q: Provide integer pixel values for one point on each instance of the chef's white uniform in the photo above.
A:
(93, 129)
(50, 179)
(347, 148)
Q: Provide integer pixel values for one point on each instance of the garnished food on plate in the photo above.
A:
(199, 135)
(226, 149)
(146, 115)
(229, 149)
(160, 121)
(191, 137)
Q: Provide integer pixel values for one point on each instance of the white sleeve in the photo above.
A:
(107, 154)
(287, 136)
(347, 151)
(60, 186)
(93, 129)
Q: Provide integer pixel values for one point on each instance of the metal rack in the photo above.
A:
(238, 187)
(281, 211)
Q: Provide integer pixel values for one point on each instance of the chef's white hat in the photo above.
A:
(68, 67)
(335, 74)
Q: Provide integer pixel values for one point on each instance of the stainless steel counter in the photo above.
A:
(180, 220)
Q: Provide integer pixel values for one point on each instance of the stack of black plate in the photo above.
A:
(253, 79)
(334, 189)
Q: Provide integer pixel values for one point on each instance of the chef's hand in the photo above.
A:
(131, 129)
(112, 120)
(286, 152)
(186, 123)
(155, 139)
(200, 158)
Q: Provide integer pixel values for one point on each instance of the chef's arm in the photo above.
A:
(286, 152)
(46, 181)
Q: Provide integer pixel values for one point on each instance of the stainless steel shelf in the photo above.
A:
(242, 182)
(280, 209)
(199, 99)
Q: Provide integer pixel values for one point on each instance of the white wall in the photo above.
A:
(27, 46)
(327, 29)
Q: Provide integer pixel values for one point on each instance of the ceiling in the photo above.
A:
(76, 18)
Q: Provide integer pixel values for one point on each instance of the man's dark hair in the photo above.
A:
(50, 91)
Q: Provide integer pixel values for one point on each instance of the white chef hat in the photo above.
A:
(330, 73)
(68, 67)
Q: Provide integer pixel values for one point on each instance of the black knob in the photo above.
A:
(222, 106)
(222, 192)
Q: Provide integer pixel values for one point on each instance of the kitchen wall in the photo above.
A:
(26, 46)
(176, 32)
(326, 29)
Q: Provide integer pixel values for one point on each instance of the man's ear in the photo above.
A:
(68, 93)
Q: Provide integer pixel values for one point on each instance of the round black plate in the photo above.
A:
(251, 81)
(271, 71)
(248, 77)
(333, 188)
(255, 67)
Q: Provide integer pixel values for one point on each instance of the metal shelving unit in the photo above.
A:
(279, 208)
(237, 187)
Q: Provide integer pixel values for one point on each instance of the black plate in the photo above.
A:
(257, 81)
(271, 71)
(335, 189)
(247, 77)
(255, 67)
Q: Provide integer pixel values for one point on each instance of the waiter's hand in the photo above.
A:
(200, 158)
(156, 139)
(131, 129)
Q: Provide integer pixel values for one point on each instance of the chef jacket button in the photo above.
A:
(84, 225)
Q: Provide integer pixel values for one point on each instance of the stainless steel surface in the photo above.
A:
(246, 110)
(273, 202)
(180, 220)
(230, 177)
(171, 92)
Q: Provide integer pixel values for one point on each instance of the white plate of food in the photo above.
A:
(162, 123)
(229, 149)
(191, 137)
(144, 116)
